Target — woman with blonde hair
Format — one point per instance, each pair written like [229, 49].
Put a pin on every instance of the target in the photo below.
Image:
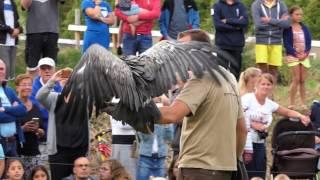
[248, 80]
[258, 110]
[113, 170]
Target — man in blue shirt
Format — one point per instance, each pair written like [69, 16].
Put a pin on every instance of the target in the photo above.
[11, 109]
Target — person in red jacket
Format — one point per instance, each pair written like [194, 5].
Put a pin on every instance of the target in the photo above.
[141, 40]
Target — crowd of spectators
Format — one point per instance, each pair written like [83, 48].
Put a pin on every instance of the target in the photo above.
[49, 145]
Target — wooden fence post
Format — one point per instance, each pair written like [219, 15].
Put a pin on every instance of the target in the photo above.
[77, 34]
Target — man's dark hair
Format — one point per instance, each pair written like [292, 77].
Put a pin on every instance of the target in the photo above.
[196, 35]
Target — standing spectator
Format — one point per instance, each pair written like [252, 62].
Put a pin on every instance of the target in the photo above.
[9, 32]
[247, 84]
[41, 30]
[113, 170]
[39, 173]
[270, 18]
[258, 110]
[68, 136]
[46, 68]
[98, 16]
[153, 152]
[123, 137]
[81, 170]
[142, 40]
[204, 153]
[297, 41]
[178, 16]
[31, 124]
[11, 109]
[14, 169]
[248, 79]
[230, 19]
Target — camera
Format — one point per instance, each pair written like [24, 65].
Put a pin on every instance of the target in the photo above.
[262, 134]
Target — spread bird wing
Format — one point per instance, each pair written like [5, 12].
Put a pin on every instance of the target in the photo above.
[135, 80]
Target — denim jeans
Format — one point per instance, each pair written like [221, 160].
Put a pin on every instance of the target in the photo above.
[138, 43]
[257, 167]
[150, 166]
[9, 148]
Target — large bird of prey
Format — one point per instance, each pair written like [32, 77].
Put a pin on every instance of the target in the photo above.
[101, 76]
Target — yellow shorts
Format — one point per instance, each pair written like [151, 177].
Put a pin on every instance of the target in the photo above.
[269, 54]
[306, 63]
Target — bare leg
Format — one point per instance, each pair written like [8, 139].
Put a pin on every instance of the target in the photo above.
[303, 76]
[274, 71]
[263, 67]
[294, 84]
[132, 29]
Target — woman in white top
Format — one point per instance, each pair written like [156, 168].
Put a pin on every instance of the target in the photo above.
[247, 83]
[258, 109]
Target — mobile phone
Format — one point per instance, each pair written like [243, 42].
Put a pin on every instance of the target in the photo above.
[35, 120]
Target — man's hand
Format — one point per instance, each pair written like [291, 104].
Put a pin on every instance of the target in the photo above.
[224, 20]
[265, 20]
[15, 33]
[133, 18]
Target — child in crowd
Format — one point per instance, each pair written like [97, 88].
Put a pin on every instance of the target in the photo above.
[297, 42]
[281, 177]
[130, 8]
[113, 170]
[14, 169]
[248, 79]
[39, 173]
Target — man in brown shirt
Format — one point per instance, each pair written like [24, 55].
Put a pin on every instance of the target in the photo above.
[214, 132]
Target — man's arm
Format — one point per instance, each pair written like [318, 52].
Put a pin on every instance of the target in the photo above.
[6, 118]
[241, 136]
[241, 22]
[174, 113]
[255, 8]
[26, 4]
[217, 21]
[153, 14]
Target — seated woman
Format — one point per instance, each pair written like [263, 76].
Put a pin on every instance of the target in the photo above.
[258, 109]
[31, 124]
[113, 170]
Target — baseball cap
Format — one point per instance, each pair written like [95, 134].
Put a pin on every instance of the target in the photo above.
[46, 61]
